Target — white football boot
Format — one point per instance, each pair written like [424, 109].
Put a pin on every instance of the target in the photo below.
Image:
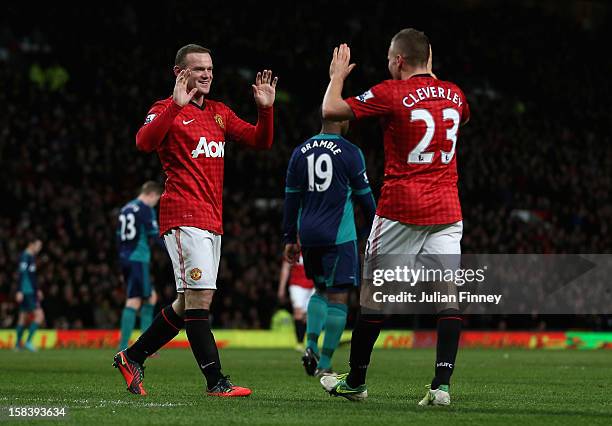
[436, 397]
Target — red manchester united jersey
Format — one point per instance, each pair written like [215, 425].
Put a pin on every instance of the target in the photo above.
[190, 142]
[420, 117]
[298, 275]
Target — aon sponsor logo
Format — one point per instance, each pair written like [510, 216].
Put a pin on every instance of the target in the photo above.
[210, 149]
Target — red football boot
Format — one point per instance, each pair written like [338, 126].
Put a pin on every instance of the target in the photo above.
[225, 388]
[132, 372]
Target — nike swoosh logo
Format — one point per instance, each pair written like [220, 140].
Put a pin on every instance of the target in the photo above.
[185, 122]
[204, 366]
[340, 390]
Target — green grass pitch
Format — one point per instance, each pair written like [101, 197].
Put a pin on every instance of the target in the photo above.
[489, 387]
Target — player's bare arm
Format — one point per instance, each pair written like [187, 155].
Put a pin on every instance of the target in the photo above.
[181, 96]
[334, 107]
[282, 281]
[264, 89]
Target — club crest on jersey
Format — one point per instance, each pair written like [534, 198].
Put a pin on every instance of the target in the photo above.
[365, 96]
[150, 118]
[219, 121]
[210, 149]
[195, 274]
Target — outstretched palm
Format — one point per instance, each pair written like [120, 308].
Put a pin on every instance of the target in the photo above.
[264, 89]
[180, 95]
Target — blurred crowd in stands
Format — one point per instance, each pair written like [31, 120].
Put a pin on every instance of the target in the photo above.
[535, 161]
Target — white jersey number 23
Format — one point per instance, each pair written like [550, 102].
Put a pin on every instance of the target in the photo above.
[418, 154]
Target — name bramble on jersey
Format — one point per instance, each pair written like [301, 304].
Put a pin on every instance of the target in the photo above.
[322, 144]
[211, 149]
[421, 94]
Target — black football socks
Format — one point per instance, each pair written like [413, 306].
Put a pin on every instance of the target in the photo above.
[203, 344]
[164, 327]
[300, 330]
[449, 332]
[362, 342]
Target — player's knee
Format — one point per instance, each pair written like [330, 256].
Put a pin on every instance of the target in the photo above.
[152, 300]
[298, 314]
[179, 305]
[321, 293]
[338, 297]
[449, 312]
[370, 317]
[133, 302]
[198, 299]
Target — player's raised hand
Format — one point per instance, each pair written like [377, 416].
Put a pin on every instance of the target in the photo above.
[264, 89]
[180, 95]
[341, 66]
[292, 252]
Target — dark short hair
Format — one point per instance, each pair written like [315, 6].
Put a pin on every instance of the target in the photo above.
[413, 45]
[151, 186]
[182, 53]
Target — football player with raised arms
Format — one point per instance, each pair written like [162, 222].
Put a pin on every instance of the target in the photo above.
[418, 211]
[189, 132]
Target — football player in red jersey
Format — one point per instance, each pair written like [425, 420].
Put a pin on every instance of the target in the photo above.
[189, 133]
[300, 290]
[418, 210]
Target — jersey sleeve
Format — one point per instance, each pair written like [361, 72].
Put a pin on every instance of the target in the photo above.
[24, 265]
[465, 110]
[358, 176]
[25, 275]
[259, 136]
[293, 194]
[465, 113]
[293, 182]
[150, 223]
[375, 102]
[156, 125]
[362, 193]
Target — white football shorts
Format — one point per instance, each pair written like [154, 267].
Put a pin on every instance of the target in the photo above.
[195, 255]
[390, 238]
[427, 247]
[300, 296]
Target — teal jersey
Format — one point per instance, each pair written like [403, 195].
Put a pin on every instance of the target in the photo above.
[136, 225]
[27, 273]
[324, 174]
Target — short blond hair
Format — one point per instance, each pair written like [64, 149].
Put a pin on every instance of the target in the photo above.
[413, 45]
[151, 187]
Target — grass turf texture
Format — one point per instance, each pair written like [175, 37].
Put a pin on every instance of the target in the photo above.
[489, 386]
